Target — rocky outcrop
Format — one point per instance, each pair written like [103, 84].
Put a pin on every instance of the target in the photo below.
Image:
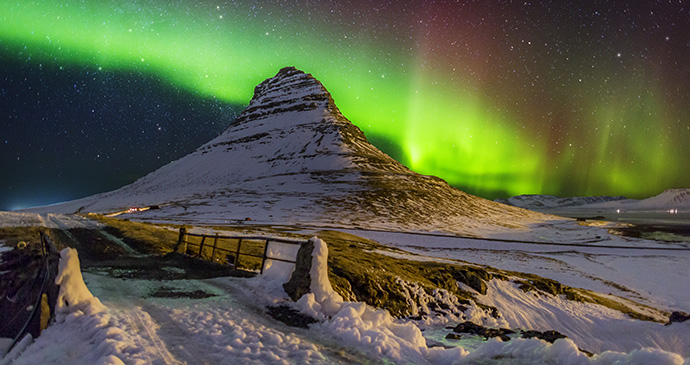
[486, 332]
[677, 317]
[502, 333]
[300, 281]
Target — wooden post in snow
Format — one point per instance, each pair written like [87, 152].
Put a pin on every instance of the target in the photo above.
[180, 240]
[237, 255]
[213, 252]
[263, 259]
[201, 246]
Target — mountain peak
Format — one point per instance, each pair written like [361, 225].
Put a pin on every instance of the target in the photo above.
[292, 157]
[290, 90]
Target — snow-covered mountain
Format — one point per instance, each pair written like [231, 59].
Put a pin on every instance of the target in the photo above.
[669, 199]
[537, 202]
[292, 157]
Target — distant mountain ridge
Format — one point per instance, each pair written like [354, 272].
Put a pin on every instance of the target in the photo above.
[536, 201]
[668, 199]
[292, 157]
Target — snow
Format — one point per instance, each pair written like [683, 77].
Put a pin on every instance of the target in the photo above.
[279, 271]
[593, 327]
[531, 351]
[545, 202]
[303, 172]
[355, 323]
[74, 295]
[670, 198]
[661, 284]
[309, 165]
[83, 333]
[377, 333]
[133, 327]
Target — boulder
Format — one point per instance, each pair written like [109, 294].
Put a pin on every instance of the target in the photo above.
[475, 329]
[677, 317]
[300, 281]
[548, 336]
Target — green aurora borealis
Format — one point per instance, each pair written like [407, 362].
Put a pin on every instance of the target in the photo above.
[498, 100]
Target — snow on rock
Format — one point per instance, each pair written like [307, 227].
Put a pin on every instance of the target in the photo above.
[84, 331]
[449, 307]
[593, 327]
[381, 336]
[354, 323]
[74, 295]
[330, 301]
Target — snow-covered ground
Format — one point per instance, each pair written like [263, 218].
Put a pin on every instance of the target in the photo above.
[656, 277]
[128, 325]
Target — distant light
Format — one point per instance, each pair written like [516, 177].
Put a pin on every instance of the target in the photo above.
[618, 211]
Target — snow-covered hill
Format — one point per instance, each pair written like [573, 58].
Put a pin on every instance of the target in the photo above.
[537, 202]
[292, 157]
[669, 199]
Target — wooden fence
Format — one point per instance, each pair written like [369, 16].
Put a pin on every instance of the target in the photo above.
[241, 252]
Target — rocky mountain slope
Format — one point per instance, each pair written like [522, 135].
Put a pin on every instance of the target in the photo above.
[291, 157]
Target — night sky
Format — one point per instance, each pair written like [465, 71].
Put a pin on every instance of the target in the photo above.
[499, 98]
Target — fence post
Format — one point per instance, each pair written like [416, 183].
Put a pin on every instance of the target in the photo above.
[213, 252]
[201, 246]
[237, 255]
[263, 259]
[180, 240]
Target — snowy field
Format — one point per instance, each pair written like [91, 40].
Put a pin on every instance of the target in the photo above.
[114, 321]
[656, 277]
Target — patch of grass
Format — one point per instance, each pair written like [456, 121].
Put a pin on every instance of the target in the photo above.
[143, 237]
[358, 273]
[13, 235]
[226, 250]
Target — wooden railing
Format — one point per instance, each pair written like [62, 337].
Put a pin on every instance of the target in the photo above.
[253, 249]
[31, 306]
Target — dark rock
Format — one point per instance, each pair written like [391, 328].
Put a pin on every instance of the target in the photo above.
[290, 316]
[473, 278]
[300, 281]
[475, 329]
[677, 317]
[468, 327]
[453, 336]
[548, 336]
